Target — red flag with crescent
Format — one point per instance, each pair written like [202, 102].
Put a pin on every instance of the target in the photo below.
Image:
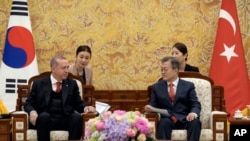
[228, 64]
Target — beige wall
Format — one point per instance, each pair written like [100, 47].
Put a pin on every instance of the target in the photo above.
[127, 37]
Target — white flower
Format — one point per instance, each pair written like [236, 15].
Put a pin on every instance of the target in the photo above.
[102, 137]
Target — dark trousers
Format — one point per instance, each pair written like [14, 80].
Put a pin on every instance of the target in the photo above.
[45, 123]
[165, 127]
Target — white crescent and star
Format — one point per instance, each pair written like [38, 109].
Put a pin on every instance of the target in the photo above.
[229, 50]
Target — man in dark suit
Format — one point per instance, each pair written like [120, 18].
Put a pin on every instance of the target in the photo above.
[53, 107]
[179, 98]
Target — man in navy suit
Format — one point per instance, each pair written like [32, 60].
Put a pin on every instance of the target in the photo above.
[183, 109]
[53, 107]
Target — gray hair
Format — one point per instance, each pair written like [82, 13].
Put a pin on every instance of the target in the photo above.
[54, 62]
[174, 62]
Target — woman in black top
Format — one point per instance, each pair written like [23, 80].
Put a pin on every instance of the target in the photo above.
[180, 52]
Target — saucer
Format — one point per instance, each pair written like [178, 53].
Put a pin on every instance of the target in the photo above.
[238, 117]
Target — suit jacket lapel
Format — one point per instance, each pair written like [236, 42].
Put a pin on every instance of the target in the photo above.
[166, 92]
[179, 89]
[65, 88]
[47, 87]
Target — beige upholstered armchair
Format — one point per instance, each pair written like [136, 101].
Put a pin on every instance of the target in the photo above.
[213, 115]
[20, 122]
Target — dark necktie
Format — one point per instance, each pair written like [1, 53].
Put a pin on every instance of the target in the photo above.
[58, 87]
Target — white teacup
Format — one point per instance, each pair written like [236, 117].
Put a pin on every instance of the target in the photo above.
[238, 114]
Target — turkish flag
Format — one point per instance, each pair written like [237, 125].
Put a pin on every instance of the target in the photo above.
[228, 64]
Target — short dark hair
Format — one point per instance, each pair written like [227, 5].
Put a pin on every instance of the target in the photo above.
[83, 48]
[182, 48]
[174, 62]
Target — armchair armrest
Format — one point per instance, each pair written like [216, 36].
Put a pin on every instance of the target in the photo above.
[153, 117]
[218, 123]
[19, 125]
[85, 118]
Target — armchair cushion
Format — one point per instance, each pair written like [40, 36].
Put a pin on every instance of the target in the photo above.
[206, 134]
[54, 135]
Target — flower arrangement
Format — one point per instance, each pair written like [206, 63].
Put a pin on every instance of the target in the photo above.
[119, 126]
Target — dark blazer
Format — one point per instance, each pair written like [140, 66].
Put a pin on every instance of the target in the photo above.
[39, 96]
[191, 68]
[185, 101]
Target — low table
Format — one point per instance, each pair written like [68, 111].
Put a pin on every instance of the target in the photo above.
[239, 129]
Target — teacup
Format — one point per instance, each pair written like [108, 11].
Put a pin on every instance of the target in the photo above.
[238, 114]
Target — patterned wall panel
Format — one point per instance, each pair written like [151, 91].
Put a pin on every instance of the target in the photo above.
[128, 37]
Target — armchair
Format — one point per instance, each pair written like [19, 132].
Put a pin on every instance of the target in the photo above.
[213, 116]
[20, 121]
